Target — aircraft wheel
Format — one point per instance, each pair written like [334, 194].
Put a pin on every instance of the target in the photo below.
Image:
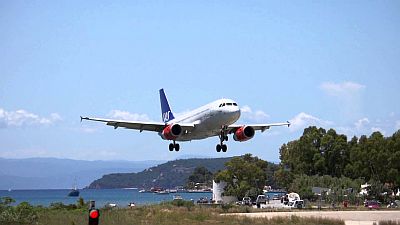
[224, 148]
[171, 147]
[226, 138]
[177, 147]
[218, 148]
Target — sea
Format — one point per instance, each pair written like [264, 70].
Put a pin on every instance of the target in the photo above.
[102, 197]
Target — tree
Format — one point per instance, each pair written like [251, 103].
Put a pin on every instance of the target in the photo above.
[244, 175]
[200, 175]
[318, 152]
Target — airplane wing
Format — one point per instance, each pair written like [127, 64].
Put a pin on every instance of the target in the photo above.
[262, 127]
[138, 125]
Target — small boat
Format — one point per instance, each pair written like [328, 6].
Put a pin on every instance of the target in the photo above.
[177, 197]
[74, 193]
[172, 190]
[162, 192]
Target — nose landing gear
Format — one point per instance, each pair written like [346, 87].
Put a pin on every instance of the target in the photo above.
[222, 137]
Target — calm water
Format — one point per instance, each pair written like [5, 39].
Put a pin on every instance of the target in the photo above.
[102, 196]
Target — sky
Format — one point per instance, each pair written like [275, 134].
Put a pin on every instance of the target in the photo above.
[331, 64]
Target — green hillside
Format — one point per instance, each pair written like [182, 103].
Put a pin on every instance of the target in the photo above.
[167, 175]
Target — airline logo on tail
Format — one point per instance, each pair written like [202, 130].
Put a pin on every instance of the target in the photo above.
[166, 113]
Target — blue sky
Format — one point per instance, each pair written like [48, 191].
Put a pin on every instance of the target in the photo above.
[333, 64]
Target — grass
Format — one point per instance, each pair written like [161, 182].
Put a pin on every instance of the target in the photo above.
[165, 214]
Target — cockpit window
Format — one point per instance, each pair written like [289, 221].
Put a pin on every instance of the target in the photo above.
[224, 104]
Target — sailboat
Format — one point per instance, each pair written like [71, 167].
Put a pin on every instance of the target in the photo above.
[74, 191]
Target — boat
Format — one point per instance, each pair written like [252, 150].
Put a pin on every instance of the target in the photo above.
[162, 192]
[207, 190]
[74, 192]
[172, 190]
[177, 197]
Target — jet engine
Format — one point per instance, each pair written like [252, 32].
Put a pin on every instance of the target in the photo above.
[171, 132]
[244, 133]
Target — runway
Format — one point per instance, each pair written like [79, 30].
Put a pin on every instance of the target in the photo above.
[350, 217]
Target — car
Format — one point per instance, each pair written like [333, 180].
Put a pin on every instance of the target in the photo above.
[394, 204]
[261, 199]
[202, 201]
[298, 204]
[373, 205]
[246, 201]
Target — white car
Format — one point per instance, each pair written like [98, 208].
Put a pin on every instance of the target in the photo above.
[298, 204]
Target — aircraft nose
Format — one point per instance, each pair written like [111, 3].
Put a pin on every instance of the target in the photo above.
[237, 112]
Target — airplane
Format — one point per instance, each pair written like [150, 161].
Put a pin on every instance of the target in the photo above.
[214, 119]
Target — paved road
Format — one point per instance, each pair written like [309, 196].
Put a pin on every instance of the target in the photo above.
[350, 217]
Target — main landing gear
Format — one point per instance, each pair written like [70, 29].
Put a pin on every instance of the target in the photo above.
[173, 146]
[222, 137]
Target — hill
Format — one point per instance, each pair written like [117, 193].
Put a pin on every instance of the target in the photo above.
[167, 175]
[53, 173]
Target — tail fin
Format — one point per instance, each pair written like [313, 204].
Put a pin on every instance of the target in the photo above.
[165, 109]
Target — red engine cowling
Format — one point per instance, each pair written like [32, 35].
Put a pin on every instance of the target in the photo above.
[244, 133]
[171, 132]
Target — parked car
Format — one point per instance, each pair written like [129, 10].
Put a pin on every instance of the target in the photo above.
[298, 204]
[202, 200]
[394, 204]
[261, 199]
[246, 201]
[373, 205]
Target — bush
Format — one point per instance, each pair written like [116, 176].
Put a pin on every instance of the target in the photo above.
[23, 213]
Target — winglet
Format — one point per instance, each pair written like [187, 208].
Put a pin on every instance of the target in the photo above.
[288, 123]
[81, 119]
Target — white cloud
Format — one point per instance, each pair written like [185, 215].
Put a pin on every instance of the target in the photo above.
[303, 120]
[342, 89]
[347, 97]
[256, 116]
[361, 123]
[22, 118]
[125, 115]
[365, 126]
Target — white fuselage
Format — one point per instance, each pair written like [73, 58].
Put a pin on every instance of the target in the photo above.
[208, 119]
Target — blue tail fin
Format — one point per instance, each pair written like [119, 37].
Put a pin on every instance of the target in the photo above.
[165, 109]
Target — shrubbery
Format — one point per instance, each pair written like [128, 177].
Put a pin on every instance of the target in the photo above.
[23, 213]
